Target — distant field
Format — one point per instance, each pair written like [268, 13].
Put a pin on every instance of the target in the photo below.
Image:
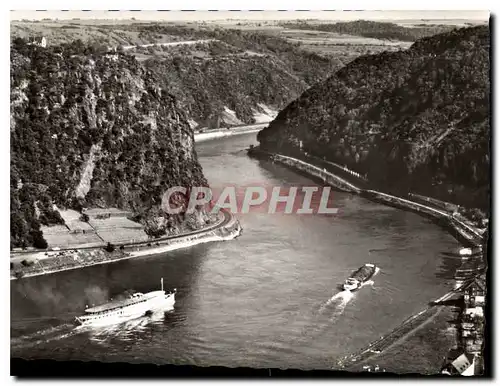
[132, 33]
[127, 33]
[319, 42]
[456, 22]
[337, 45]
[306, 36]
[103, 32]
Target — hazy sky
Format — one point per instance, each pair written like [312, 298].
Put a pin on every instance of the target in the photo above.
[254, 15]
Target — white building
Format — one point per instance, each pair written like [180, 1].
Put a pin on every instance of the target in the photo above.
[39, 41]
[464, 365]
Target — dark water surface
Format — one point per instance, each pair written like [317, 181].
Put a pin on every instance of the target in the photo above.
[266, 299]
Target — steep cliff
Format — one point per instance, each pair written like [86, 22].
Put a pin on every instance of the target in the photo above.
[415, 120]
[92, 130]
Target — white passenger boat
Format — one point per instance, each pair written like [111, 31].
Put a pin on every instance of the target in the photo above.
[137, 305]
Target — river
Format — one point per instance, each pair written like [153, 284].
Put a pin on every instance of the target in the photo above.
[268, 299]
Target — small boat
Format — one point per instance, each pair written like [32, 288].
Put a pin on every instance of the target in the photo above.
[465, 252]
[363, 274]
[471, 252]
[137, 305]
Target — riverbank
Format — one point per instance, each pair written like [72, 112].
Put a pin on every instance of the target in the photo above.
[463, 232]
[235, 130]
[418, 350]
[44, 263]
[404, 331]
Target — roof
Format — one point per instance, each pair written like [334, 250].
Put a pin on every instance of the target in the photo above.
[475, 311]
[463, 362]
[477, 282]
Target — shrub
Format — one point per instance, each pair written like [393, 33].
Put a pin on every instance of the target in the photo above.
[109, 248]
[38, 240]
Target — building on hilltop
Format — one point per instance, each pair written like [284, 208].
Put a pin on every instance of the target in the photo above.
[38, 40]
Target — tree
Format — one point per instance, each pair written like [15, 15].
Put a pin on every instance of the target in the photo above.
[38, 240]
[19, 43]
[27, 263]
[110, 247]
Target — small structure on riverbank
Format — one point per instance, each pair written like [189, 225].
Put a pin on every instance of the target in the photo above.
[472, 318]
[471, 324]
[462, 365]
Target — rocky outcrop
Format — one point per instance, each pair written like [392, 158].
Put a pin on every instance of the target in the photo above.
[93, 130]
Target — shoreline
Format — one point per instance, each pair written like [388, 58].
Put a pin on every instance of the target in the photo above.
[463, 232]
[404, 329]
[227, 229]
[235, 130]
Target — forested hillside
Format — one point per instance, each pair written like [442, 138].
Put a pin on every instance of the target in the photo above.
[237, 70]
[415, 120]
[308, 66]
[92, 129]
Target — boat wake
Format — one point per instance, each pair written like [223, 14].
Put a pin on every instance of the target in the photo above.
[368, 282]
[329, 312]
[326, 315]
[339, 300]
[123, 331]
[342, 298]
[46, 335]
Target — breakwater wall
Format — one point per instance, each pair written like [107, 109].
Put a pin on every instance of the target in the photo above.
[447, 206]
[307, 169]
[227, 228]
[322, 174]
[460, 230]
